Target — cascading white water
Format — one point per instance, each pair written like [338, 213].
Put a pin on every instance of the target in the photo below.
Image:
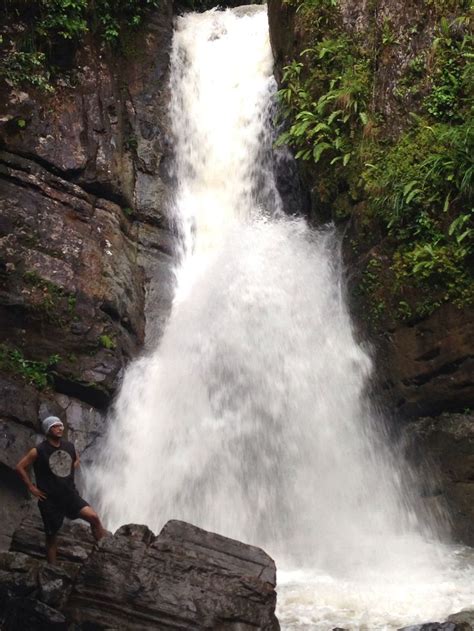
[250, 417]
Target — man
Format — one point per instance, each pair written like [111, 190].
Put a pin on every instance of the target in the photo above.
[54, 462]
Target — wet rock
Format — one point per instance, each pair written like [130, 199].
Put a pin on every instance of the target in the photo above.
[14, 504]
[32, 614]
[445, 447]
[72, 254]
[437, 626]
[18, 402]
[75, 541]
[185, 578]
[429, 366]
[464, 617]
[281, 20]
[54, 583]
[15, 440]
[85, 424]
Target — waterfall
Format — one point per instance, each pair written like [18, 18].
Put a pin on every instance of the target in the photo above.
[250, 417]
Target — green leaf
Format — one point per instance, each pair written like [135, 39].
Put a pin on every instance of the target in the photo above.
[408, 187]
[412, 195]
[446, 203]
[319, 149]
[462, 236]
[334, 115]
[321, 127]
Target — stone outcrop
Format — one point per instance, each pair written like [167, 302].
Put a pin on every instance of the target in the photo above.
[85, 244]
[185, 578]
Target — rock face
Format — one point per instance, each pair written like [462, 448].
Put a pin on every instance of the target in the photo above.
[186, 578]
[445, 445]
[85, 245]
[429, 365]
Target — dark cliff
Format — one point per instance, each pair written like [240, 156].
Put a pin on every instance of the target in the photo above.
[84, 242]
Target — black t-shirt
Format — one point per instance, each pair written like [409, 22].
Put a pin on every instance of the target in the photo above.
[54, 468]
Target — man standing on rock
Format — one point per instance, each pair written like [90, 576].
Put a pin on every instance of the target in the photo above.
[54, 462]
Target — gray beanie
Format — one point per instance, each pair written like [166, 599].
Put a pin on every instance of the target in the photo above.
[48, 423]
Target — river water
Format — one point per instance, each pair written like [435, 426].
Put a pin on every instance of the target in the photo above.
[250, 418]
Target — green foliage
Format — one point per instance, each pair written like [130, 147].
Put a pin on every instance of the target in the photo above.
[72, 19]
[37, 373]
[416, 186]
[370, 282]
[327, 106]
[20, 67]
[311, 6]
[451, 73]
[107, 342]
[388, 36]
[63, 18]
[422, 190]
[29, 59]
[113, 17]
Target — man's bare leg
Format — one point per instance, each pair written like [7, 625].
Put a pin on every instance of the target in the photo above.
[51, 548]
[90, 516]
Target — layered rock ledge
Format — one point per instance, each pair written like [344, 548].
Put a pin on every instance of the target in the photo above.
[184, 578]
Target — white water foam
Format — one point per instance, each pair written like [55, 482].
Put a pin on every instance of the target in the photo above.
[250, 418]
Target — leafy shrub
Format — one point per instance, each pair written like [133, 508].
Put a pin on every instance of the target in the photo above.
[45, 24]
[416, 186]
[37, 373]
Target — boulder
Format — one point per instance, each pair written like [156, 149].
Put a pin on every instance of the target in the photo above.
[184, 578]
[466, 617]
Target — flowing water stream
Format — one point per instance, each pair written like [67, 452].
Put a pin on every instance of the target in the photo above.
[250, 417]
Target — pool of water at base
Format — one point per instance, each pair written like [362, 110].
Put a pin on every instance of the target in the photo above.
[314, 600]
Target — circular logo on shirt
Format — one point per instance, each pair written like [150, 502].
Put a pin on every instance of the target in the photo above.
[60, 463]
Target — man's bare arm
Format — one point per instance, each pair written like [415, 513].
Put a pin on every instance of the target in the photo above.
[22, 470]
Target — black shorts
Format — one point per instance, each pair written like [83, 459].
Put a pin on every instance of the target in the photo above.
[53, 511]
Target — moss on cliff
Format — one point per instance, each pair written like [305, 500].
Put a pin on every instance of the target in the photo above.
[380, 111]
